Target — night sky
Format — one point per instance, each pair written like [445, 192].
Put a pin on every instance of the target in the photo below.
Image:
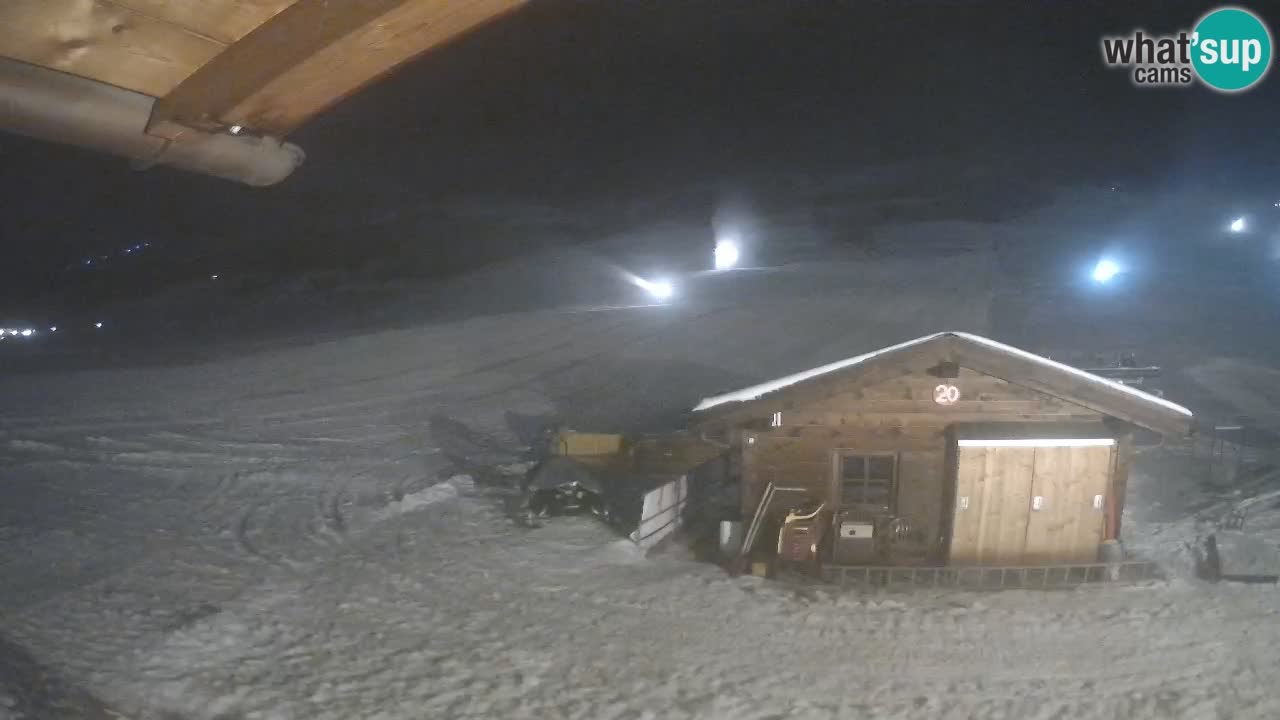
[579, 105]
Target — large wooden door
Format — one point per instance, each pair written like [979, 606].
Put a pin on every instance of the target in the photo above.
[1071, 483]
[993, 492]
[1022, 504]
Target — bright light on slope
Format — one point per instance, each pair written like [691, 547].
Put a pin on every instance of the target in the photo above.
[1105, 270]
[1237, 225]
[726, 254]
[98, 325]
[27, 332]
[660, 289]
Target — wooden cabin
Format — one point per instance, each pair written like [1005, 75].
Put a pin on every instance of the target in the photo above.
[947, 449]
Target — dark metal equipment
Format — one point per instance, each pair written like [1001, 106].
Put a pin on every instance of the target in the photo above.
[1124, 369]
[561, 486]
[864, 538]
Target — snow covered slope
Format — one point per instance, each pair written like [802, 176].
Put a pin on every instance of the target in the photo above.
[282, 535]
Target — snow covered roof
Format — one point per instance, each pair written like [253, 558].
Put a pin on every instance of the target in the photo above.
[755, 392]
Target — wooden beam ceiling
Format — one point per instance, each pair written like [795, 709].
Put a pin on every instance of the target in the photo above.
[225, 21]
[267, 65]
[308, 57]
[104, 41]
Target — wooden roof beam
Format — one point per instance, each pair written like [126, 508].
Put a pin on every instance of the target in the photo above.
[103, 41]
[1080, 391]
[880, 368]
[308, 57]
[977, 354]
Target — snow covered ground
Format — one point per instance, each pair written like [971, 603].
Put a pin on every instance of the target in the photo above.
[295, 532]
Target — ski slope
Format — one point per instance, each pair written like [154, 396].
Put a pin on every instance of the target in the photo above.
[291, 534]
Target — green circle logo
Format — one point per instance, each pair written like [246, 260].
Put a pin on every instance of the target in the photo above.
[1231, 49]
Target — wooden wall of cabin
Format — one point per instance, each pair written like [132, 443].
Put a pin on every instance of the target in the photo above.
[806, 459]
[896, 415]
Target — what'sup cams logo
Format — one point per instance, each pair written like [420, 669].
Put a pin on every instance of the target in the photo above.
[1229, 50]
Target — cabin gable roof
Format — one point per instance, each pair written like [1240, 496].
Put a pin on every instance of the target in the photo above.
[975, 352]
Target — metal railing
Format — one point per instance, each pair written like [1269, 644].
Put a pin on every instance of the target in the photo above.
[1039, 576]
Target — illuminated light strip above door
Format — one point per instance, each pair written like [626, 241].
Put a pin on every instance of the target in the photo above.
[1039, 442]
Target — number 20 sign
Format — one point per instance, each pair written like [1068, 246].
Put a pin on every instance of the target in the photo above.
[946, 394]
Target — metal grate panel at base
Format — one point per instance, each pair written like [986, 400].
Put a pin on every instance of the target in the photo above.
[1040, 576]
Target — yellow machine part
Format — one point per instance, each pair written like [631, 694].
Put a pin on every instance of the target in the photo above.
[578, 445]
